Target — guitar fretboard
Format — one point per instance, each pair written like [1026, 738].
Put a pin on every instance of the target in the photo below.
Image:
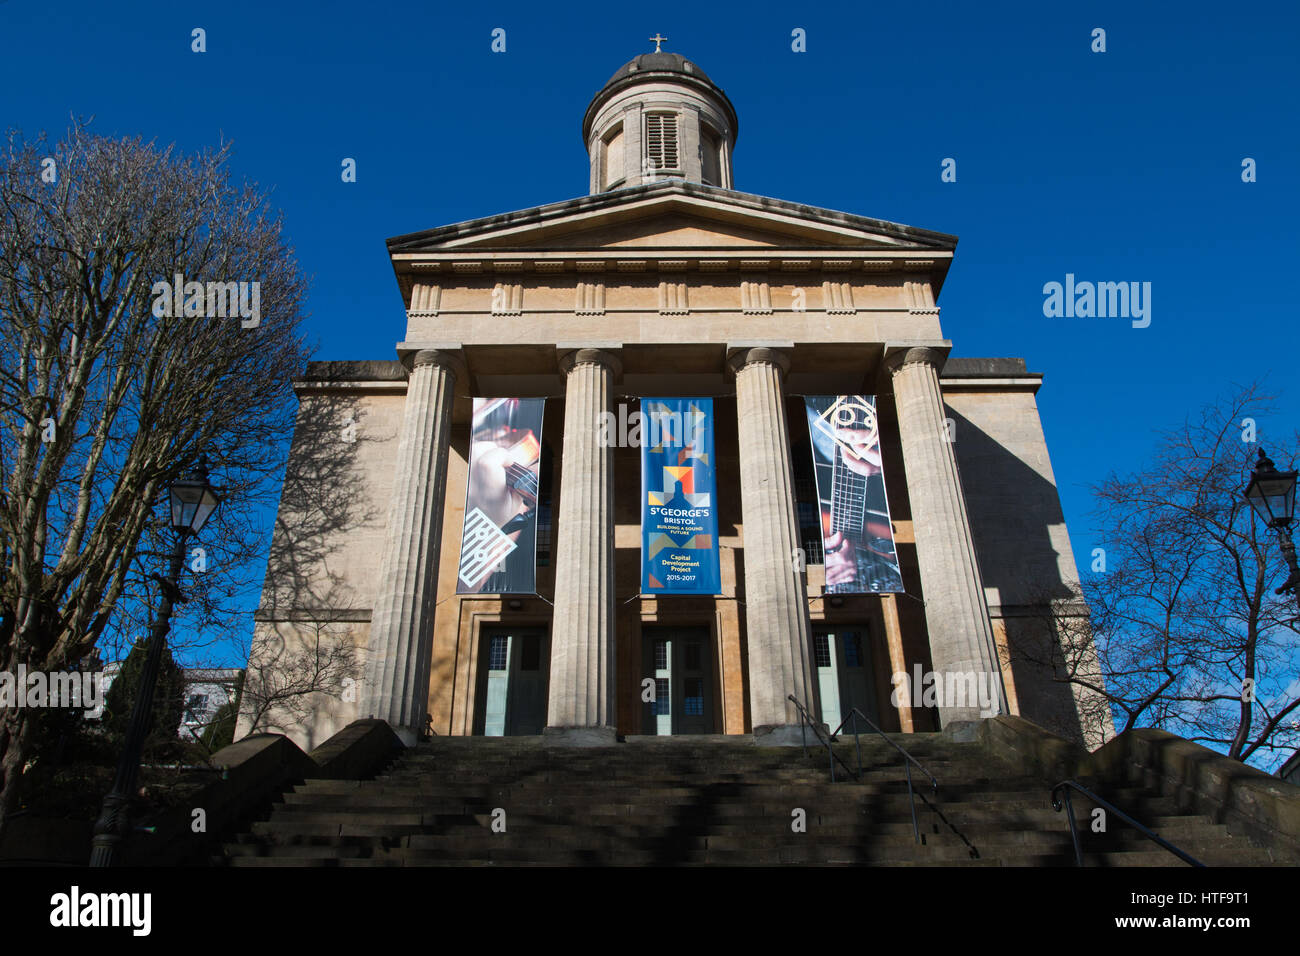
[848, 498]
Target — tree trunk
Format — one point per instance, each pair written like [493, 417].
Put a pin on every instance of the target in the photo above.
[17, 731]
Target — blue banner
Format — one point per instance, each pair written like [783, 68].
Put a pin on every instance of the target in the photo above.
[679, 493]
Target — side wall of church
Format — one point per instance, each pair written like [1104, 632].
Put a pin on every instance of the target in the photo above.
[312, 626]
[286, 660]
[1026, 560]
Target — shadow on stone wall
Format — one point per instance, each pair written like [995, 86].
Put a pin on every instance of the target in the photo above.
[307, 591]
[1012, 509]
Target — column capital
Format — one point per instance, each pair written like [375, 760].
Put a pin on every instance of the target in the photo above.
[453, 362]
[449, 356]
[606, 357]
[742, 356]
[898, 356]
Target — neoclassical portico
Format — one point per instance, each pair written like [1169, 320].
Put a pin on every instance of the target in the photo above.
[666, 281]
[582, 699]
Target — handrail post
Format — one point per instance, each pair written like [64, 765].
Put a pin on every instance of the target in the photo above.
[911, 800]
[1074, 831]
[857, 744]
[806, 722]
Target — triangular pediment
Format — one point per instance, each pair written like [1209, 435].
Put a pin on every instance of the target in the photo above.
[662, 228]
[673, 215]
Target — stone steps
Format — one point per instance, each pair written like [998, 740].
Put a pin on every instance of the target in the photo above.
[712, 801]
[1189, 837]
[740, 803]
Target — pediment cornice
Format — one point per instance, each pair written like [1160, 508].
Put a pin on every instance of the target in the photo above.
[669, 261]
[654, 227]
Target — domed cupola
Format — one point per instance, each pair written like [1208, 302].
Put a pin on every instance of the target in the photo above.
[659, 117]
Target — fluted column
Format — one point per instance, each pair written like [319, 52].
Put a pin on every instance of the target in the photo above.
[956, 615]
[776, 608]
[581, 695]
[401, 625]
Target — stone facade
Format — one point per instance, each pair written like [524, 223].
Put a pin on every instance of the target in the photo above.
[670, 286]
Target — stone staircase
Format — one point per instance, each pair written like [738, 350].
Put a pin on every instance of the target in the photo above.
[707, 800]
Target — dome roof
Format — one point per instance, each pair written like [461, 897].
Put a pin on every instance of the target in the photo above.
[646, 66]
[659, 63]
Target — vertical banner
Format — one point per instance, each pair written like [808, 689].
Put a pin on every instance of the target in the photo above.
[679, 518]
[498, 546]
[857, 535]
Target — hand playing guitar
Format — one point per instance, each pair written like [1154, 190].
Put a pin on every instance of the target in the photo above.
[840, 559]
[859, 450]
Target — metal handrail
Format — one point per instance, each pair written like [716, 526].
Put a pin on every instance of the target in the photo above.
[806, 722]
[908, 760]
[1066, 785]
[854, 714]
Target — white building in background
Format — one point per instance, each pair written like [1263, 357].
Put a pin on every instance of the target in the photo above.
[207, 690]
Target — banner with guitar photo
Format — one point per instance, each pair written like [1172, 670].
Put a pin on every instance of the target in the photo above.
[679, 498]
[498, 546]
[857, 535]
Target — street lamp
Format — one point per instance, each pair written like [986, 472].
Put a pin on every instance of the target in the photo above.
[1271, 494]
[193, 500]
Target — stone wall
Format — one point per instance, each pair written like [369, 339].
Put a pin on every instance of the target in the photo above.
[1028, 566]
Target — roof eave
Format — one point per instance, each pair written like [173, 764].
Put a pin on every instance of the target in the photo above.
[425, 239]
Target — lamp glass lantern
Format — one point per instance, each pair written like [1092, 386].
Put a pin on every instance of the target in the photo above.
[1271, 493]
[193, 500]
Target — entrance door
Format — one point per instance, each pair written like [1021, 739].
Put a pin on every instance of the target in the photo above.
[680, 662]
[844, 678]
[512, 682]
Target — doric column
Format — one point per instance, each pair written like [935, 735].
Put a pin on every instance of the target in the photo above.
[401, 625]
[582, 706]
[776, 608]
[961, 638]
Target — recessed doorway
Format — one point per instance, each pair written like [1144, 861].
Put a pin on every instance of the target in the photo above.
[678, 662]
[514, 664]
[844, 675]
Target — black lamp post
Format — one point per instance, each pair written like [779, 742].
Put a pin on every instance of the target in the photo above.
[1272, 494]
[192, 502]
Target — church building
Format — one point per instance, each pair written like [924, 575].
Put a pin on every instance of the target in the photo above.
[462, 547]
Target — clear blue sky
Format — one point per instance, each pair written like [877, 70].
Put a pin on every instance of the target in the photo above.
[1117, 166]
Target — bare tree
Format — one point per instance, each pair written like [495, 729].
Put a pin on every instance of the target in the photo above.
[1186, 633]
[107, 393]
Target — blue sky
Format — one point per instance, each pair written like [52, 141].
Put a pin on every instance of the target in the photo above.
[1116, 166]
